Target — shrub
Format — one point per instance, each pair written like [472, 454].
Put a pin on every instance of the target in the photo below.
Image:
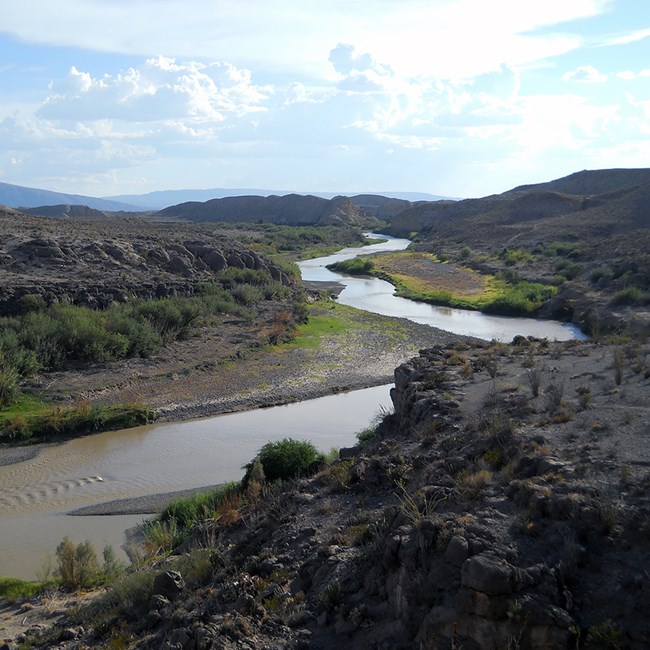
[619, 365]
[365, 435]
[9, 390]
[187, 511]
[534, 378]
[628, 296]
[77, 566]
[356, 266]
[286, 459]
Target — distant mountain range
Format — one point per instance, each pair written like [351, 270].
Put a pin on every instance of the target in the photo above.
[17, 196]
[166, 198]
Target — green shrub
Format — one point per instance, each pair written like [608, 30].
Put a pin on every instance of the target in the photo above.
[605, 636]
[12, 589]
[286, 459]
[77, 565]
[187, 511]
[9, 390]
[628, 296]
[356, 266]
[365, 435]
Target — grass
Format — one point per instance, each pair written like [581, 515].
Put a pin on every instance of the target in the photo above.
[36, 421]
[321, 324]
[423, 277]
[12, 589]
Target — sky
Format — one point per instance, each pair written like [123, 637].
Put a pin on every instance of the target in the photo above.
[458, 98]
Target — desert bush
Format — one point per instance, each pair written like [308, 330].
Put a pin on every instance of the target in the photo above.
[170, 318]
[31, 302]
[248, 294]
[605, 636]
[9, 389]
[628, 296]
[13, 589]
[584, 396]
[534, 379]
[602, 276]
[187, 511]
[619, 365]
[131, 592]
[162, 537]
[470, 484]
[365, 435]
[286, 459]
[14, 356]
[77, 565]
[554, 394]
[568, 270]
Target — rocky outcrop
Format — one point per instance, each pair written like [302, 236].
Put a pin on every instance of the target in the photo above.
[115, 260]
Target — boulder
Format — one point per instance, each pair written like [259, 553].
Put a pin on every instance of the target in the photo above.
[168, 584]
[489, 575]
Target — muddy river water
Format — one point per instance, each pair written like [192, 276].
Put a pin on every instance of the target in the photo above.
[36, 496]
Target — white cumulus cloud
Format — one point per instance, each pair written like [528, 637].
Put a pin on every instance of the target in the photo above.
[585, 74]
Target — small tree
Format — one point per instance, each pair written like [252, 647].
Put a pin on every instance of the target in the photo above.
[77, 565]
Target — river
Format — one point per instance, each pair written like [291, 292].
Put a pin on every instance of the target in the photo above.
[37, 495]
[378, 296]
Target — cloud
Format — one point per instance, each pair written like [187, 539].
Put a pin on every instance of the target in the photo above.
[424, 37]
[157, 90]
[631, 37]
[629, 75]
[585, 74]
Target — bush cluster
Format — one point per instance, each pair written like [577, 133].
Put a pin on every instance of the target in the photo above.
[51, 337]
[520, 298]
[286, 459]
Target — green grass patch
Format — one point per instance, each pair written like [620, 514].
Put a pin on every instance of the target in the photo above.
[12, 589]
[47, 422]
[356, 266]
[422, 277]
[320, 325]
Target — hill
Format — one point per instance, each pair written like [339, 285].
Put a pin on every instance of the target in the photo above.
[614, 199]
[16, 196]
[292, 209]
[165, 198]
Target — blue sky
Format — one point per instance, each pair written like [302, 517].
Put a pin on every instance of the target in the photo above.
[453, 97]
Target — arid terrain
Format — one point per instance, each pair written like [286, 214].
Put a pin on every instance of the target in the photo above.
[503, 504]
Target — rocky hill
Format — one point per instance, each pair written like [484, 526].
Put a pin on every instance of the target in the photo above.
[292, 209]
[593, 245]
[614, 200]
[67, 211]
[95, 263]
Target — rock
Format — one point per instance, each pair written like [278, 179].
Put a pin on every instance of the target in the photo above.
[157, 602]
[182, 636]
[457, 550]
[168, 584]
[489, 575]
